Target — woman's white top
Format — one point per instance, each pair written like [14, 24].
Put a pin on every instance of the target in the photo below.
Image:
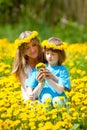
[28, 71]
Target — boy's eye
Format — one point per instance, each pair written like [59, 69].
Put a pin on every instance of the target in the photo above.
[53, 53]
[47, 53]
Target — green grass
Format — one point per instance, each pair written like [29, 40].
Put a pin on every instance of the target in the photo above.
[70, 32]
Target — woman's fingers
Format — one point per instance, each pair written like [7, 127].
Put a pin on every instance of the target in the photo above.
[30, 96]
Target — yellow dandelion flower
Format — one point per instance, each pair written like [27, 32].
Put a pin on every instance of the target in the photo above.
[46, 44]
[83, 108]
[19, 42]
[75, 114]
[40, 65]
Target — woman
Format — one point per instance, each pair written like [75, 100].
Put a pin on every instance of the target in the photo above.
[28, 54]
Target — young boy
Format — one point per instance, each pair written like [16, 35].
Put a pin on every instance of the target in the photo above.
[49, 88]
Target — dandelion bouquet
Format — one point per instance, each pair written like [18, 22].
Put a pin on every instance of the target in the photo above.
[39, 87]
[39, 66]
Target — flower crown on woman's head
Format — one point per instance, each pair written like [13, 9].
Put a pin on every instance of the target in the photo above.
[19, 42]
[46, 44]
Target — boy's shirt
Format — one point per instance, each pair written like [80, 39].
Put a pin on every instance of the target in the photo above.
[63, 79]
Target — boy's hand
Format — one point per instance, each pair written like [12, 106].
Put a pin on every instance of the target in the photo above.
[45, 74]
[40, 75]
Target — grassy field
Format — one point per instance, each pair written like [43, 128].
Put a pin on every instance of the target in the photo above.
[70, 32]
[15, 114]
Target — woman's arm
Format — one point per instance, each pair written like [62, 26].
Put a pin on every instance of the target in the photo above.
[37, 90]
[28, 90]
[22, 78]
[29, 93]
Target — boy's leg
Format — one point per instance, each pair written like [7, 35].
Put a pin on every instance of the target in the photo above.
[45, 97]
[57, 100]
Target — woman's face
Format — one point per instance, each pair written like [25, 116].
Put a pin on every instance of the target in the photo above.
[31, 49]
[52, 58]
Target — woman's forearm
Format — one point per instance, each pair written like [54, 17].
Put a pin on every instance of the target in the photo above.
[29, 93]
[37, 89]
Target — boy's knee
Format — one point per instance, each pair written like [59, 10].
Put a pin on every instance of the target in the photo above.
[45, 97]
[56, 100]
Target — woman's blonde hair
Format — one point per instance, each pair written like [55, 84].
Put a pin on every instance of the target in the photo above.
[21, 60]
[61, 52]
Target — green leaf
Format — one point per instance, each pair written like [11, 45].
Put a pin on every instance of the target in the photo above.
[75, 127]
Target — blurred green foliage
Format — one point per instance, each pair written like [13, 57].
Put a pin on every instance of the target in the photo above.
[71, 32]
[50, 18]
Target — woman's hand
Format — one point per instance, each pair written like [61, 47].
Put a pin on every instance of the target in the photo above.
[29, 93]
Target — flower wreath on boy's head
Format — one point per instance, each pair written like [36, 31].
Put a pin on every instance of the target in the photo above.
[19, 42]
[48, 45]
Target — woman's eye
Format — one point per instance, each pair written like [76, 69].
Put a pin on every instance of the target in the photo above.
[27, 48]
[34, 44]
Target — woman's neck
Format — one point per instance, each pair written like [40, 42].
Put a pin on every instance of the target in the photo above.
[33, 62]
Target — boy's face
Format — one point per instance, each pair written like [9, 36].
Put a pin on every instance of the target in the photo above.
[52, 57]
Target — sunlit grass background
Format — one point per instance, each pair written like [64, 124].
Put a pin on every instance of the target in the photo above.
[15, 114]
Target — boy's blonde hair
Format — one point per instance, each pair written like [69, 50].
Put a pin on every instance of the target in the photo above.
[55, 41]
